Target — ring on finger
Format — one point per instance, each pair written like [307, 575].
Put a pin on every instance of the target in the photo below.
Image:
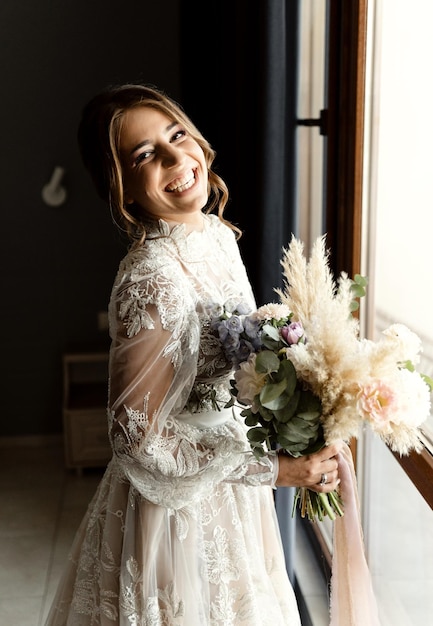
[323, 479]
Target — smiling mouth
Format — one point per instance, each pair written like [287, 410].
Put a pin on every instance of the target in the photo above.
[182, 184]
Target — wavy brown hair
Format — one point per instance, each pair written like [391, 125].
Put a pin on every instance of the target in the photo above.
[99, 136]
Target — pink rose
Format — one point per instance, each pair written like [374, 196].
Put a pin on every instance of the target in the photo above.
[292, 333]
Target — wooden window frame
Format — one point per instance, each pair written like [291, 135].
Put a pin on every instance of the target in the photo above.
[343, 211]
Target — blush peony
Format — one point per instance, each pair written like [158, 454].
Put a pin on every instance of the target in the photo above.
[377, 403]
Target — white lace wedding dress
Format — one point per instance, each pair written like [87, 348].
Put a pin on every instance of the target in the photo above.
[182, 530]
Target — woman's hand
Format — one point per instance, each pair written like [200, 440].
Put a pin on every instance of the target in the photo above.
[318, 471]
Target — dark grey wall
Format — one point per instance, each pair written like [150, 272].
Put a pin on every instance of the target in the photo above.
[57, 264]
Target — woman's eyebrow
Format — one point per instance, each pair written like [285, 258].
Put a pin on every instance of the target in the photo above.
[147, 141]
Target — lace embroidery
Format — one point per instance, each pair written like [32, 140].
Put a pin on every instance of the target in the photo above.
[223, 558]
[182, 519]
[211, 361]
[174, 292]
[223, 609]
[208, 397]
[132, 311]
[161, 610]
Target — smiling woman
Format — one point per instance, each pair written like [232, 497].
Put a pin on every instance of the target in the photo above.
[117, 139]
[182, 530]
[166, 170]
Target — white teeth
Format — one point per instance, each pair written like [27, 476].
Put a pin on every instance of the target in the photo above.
[183, 183]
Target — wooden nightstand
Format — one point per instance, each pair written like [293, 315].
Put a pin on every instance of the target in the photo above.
[85, 380]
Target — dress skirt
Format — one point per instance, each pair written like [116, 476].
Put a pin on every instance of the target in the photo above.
[218, 562]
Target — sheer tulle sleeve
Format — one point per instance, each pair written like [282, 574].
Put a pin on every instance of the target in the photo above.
[156, 332]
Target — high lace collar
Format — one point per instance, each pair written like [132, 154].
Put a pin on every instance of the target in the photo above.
[175, 230]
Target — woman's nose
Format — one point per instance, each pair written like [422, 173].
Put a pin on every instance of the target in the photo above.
[172, 156]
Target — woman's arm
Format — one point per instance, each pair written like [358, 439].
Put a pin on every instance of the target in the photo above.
[153, 366]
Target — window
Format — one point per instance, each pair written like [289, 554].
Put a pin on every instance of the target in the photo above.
[378, 207]
[398, 254]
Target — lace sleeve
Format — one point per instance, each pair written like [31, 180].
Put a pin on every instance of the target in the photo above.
[153, 367]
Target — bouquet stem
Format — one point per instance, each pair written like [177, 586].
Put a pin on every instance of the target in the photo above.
[316, 506]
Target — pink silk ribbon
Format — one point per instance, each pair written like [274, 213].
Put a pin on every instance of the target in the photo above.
[352, 598]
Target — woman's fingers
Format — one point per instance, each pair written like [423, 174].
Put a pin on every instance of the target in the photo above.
[328, 481]
[318, 471]
[327, 478]
[327, 452]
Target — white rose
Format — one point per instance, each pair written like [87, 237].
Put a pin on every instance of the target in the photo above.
[248, 382]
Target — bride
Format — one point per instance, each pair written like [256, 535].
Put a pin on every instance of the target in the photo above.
[182, 530]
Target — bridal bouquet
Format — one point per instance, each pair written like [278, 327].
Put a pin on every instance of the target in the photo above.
[305, 377]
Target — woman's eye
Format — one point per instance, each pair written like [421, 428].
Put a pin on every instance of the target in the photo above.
[143, 156]
[178, 135]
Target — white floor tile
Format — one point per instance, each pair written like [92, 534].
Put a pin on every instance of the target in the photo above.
[25, 562]
[25, 612]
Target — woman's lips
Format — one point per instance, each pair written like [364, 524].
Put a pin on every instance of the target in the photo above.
[182, 183]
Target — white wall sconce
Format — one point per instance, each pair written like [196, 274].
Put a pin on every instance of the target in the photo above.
[54, 194]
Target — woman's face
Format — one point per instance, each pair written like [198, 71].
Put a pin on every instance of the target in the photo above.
[164, 168]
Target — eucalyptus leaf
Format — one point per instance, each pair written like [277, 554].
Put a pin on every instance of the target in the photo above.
[309, 402]
[270, 344]
[287, 372]
[309, 415]
[316, 445]
[270, 331]
[265, 414]
[284, 442]
[298, 447]
[428, 381]
[251, 419]
[305, 427]
[408, 365]
[360, 280]
[292, 431]
[302, 431]
[258, 451]
[289, 410]
[357, 291]
[272, 395]
[267, 362]
[257, 434]
[293, 448]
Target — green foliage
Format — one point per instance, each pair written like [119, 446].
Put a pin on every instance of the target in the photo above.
[270, 337]
[428, 381]
[358, 288]
[267, 362]
[285, 415]
[411, 367]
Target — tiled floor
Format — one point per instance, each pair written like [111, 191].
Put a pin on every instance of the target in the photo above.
[311, 582]
[41, 506]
